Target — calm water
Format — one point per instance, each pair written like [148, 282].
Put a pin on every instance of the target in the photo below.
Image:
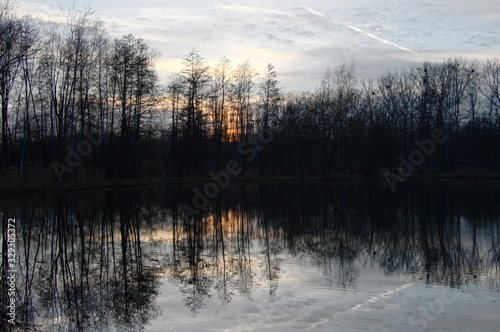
[277, 257]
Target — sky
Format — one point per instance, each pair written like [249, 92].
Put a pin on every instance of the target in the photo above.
[302, 39]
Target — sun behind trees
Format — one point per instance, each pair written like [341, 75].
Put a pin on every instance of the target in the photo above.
[58, 85]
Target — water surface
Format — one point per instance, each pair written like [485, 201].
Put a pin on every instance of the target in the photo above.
[276, 256]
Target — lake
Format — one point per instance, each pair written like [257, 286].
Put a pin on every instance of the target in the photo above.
[274, 256]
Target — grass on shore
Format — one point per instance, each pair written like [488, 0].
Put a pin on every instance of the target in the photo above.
[44, 180]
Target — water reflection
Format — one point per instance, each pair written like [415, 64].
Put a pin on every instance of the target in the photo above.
[95, 260]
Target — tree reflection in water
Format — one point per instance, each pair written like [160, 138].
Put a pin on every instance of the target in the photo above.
[95, 260]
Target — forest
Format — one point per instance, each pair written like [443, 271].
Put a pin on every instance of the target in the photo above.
[78, 105]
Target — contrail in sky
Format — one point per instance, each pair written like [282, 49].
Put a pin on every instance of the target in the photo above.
[366, 33]
[315, 12]
[371, 35]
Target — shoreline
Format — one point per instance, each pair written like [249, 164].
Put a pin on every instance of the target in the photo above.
[27, 188]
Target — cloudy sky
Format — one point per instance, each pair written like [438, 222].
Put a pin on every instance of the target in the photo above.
[301, 38]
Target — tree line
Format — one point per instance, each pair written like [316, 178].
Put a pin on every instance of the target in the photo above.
[62, 84]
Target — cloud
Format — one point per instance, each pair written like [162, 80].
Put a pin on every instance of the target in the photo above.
[42, 11]
[253, 10]
[301, 40]
[483, 41]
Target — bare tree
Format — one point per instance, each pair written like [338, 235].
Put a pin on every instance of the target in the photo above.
[269, 97]
[491, 81]
[219, 113]
[175, 94]
[135, 81]
[336, 97]
[16, 41]
[243, 85]
[195, 81]
[242, 92]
